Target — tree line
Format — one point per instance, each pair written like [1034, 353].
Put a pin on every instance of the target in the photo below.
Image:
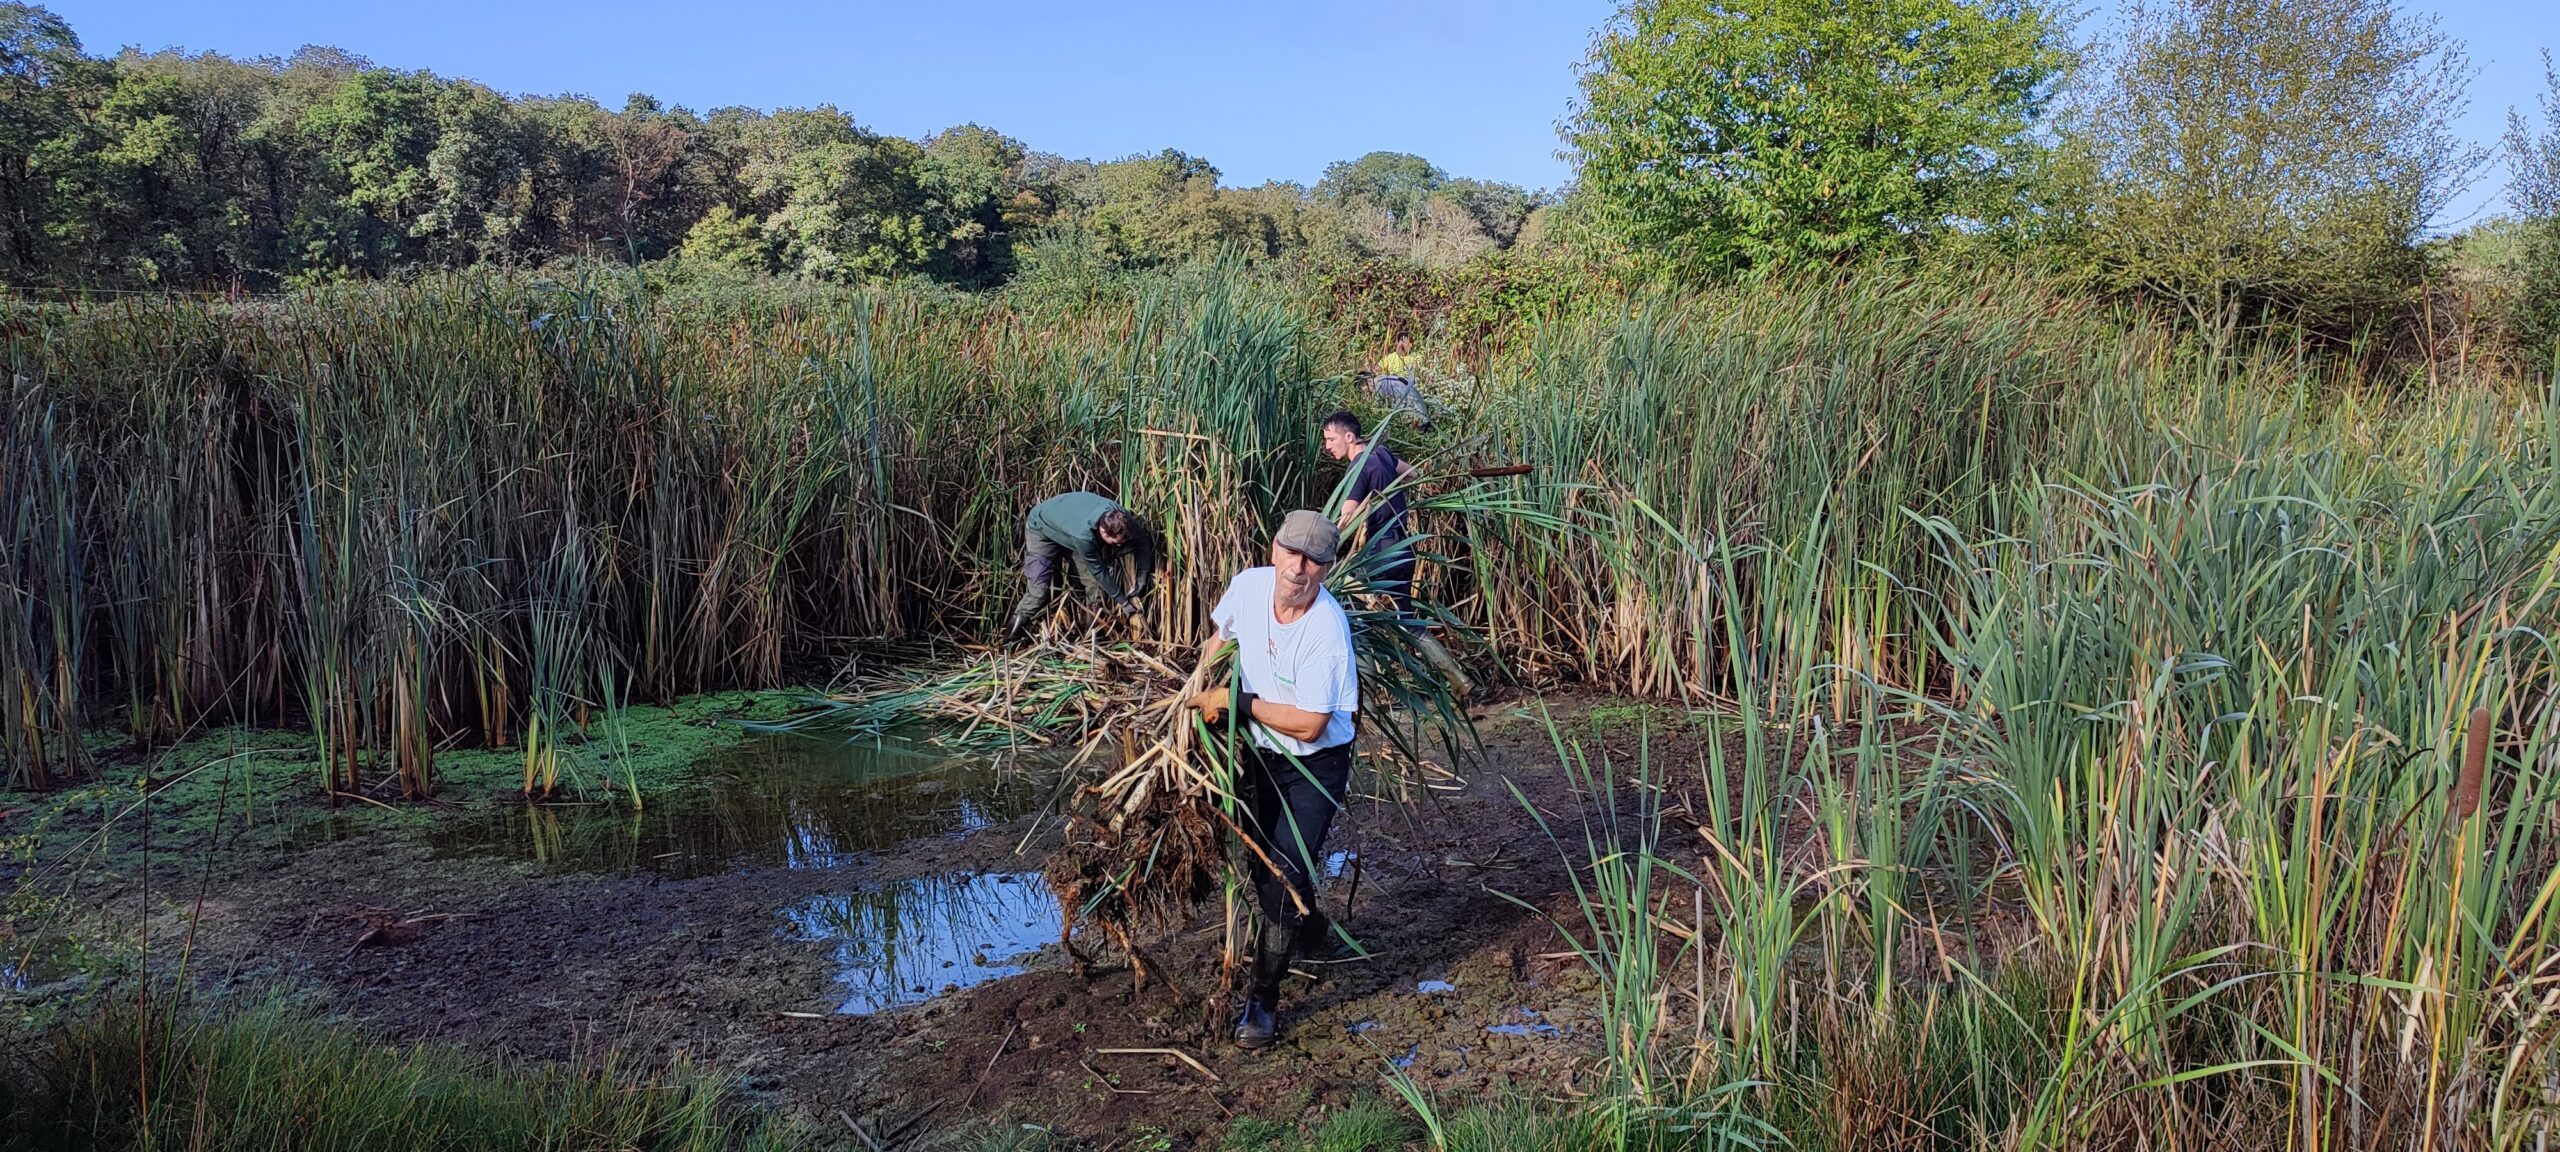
[2244, 164]
[172, 169]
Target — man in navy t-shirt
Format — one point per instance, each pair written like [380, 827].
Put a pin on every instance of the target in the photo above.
[1375, 497]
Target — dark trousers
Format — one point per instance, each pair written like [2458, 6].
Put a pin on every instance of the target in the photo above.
[1288, 808]
[1396, 578]
[1041, 559]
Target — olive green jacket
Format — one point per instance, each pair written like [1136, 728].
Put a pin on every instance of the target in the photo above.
[1067, 520]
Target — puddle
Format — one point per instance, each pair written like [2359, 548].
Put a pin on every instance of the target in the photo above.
[1336, 863]
[1534, 1026]
[1433, 987]
[911, 941]
[38, 970]
[778, 801]
[323, 830]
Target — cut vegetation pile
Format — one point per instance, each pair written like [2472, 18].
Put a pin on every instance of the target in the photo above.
[1153, 826]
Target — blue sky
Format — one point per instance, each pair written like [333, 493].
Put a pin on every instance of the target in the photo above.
[1265, 91]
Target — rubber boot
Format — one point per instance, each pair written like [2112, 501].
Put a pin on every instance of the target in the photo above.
[1259, 1024]
[1271, 954]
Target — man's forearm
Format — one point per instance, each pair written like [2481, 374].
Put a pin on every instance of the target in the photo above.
[1289, 720]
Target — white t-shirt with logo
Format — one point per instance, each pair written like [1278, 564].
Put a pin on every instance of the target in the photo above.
[1307, 664]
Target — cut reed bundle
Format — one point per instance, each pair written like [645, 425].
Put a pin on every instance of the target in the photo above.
[1151, 822]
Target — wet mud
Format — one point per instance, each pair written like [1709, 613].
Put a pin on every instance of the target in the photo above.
[861, 934]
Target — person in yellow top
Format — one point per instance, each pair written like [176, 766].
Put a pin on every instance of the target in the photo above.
[1399, 361]
[1394, 384]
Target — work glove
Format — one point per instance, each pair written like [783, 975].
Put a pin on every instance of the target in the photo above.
[1210, 703]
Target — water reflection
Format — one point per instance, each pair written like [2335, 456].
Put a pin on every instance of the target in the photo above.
[25, 968]
[779, 801]
[913, 940]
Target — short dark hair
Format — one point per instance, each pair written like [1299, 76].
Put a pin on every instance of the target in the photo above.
[1122, 523]
[1344, 419]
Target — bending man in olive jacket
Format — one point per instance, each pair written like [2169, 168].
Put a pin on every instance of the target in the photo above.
[1097, 532]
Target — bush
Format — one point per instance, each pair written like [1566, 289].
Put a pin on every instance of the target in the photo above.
[2534, 192]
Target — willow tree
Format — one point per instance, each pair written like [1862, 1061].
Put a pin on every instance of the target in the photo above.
[2270, 161]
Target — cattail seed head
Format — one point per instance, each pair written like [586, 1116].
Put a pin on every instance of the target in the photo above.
[2475, 758]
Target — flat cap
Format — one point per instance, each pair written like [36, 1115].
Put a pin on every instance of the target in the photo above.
[1310, 535]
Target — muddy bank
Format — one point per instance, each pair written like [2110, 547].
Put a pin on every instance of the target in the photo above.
[865, 938]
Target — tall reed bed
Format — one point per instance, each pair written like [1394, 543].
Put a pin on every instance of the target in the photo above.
[480, 510]
[2230, 817]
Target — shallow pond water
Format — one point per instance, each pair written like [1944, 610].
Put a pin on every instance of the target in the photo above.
[26, 968]
[777, 801]
[910, 941]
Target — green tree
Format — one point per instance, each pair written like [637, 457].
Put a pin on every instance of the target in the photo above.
[1400, 206]
[1149, 210]
[840, 202]
[481, 202]
[2533, 192]
[52, 183]
[153, 200]
[210, 180]
[1497, 209]
[725, 238]
[373, 134]
[201, 170]
[1396, 183]
[1711, 134]
[2270, 160]
[659, 177]
[969, 176]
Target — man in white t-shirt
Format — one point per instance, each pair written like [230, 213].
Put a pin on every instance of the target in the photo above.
[1298, 692]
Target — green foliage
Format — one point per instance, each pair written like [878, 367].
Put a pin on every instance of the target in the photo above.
[1366, 1126]
[1714, 136]
[1478, 309]
[171, 170]
[202, 171]
[1395, 205]
[2534, 193]
[1147, 211]
[51, 177]
[977, 191]
[1393, 182]
[723, 238]
[1496, 209]
[2253, 161]
[839, 201]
